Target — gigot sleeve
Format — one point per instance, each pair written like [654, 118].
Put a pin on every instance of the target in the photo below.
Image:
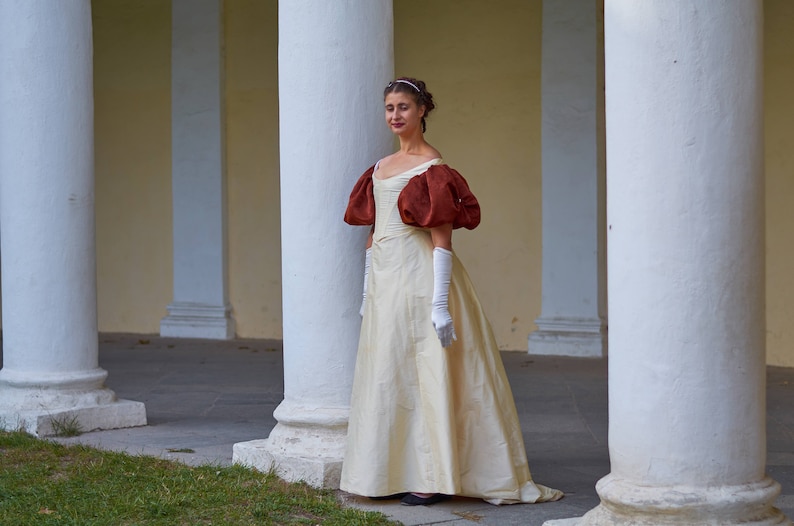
[361, 206]
[439, 196]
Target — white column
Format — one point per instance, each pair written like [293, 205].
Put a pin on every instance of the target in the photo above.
[200, 308]
[335, 59]
[686, 266]
[51, 371]
[573, 309]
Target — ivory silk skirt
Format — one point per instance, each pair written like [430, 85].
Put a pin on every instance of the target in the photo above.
[425, 418]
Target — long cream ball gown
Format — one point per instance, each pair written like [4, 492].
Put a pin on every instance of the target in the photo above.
[424, 418]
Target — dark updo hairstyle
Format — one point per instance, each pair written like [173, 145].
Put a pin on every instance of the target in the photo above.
[415, 88]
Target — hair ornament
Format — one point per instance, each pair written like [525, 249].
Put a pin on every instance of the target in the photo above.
[414, 86]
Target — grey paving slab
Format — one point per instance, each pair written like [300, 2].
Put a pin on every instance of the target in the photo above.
[204, 396]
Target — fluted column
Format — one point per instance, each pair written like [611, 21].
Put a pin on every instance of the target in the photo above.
[51, 372]
[201, 307]
[573, 309]
[335, 59]
[686, 266]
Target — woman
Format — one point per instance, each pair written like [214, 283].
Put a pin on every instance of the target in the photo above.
[432, 414]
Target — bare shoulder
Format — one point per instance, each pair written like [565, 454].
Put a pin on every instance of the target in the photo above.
[434, 154]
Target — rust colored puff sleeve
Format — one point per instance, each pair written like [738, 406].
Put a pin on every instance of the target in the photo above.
[361, 207]
[439, 196]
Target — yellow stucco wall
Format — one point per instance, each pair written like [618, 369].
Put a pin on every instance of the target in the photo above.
[779, 120]
[481, 61]
[132, 43]
[132, 100]
[252, 167]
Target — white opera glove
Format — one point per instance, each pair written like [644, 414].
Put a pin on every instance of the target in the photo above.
[367, 263]
[442, 273]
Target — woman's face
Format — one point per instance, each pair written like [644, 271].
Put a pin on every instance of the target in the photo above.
[403, 116]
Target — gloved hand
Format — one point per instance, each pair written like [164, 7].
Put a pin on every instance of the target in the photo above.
[442, 273]
[367, 263]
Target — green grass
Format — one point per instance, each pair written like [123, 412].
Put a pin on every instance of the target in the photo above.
[66, 427]
[45, 483]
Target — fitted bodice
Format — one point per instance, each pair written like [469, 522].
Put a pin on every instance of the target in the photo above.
[387, 216]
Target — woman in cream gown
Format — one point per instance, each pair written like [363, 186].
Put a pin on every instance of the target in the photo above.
[424, 418]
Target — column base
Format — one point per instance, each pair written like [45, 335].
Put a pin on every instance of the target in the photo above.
[46, 404]
[583, 338]
[307, 444]
[198, 320]
[624, 504]
[45, 422]
[263, 456]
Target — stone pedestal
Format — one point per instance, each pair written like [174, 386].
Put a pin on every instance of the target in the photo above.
[307, 444]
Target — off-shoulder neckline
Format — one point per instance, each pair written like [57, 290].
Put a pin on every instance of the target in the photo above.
[433, 160]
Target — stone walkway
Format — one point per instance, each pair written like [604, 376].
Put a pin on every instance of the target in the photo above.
[207, 395]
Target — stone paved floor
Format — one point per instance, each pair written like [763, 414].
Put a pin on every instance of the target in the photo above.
[207, 395]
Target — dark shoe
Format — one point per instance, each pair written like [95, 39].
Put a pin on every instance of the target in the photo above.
[389, 497]
[414, 500]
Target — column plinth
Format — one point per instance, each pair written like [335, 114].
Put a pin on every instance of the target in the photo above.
[569, 337]
[306, 445]
[624, 502]
[196, 320]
